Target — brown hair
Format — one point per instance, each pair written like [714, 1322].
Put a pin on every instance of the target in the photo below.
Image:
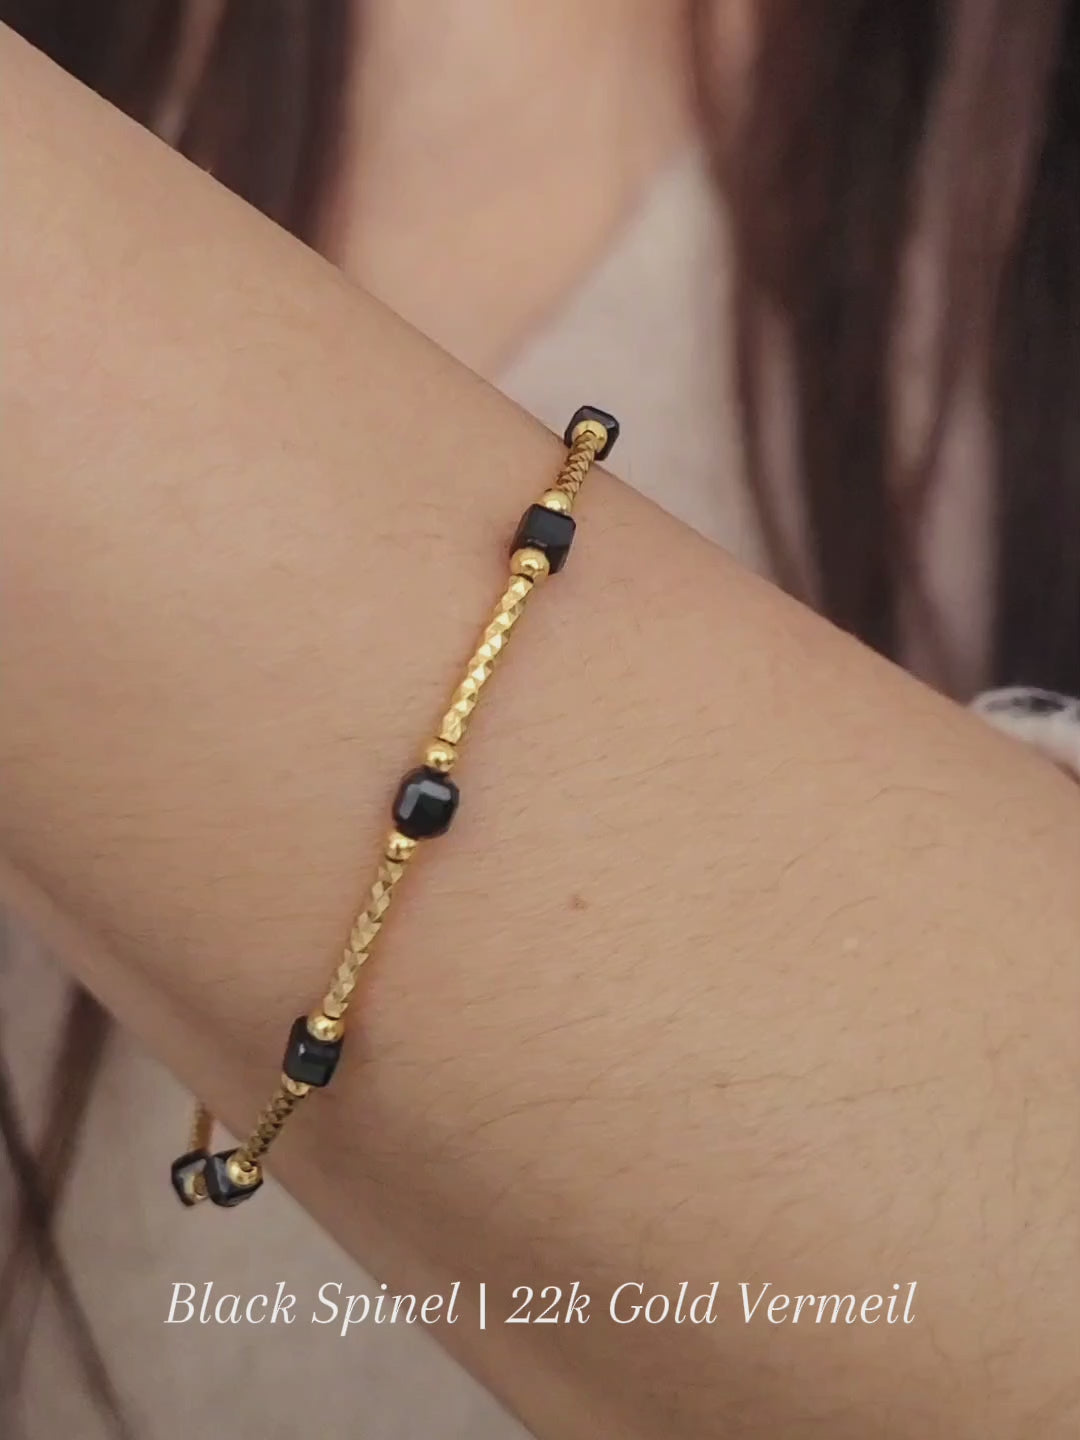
[262, 111]
[863, 120]
[849, 106]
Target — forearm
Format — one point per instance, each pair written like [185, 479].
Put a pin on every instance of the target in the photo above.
[746, 958]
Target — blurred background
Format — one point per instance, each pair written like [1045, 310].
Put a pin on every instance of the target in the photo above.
[822, 257]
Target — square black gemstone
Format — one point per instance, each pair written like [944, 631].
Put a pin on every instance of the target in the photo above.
[221, 1188]
[185, 1171]
[590, 412]
[546, 530]
[425, 803]
[307, 1059]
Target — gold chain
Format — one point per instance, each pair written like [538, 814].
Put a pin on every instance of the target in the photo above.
[232, 1175]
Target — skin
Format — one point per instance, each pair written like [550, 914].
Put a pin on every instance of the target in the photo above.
[472, 122]
[748, 958]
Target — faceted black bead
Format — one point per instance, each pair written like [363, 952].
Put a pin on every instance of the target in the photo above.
[546, 530]
[309, 1060]
[590, 412]
[185, 1171]
[221, 1188]
[425, 803]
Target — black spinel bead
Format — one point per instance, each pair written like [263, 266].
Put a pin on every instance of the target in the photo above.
[548, 530]
[221, 1188]
[307, 1059]
[425, 803]
[590, 412]
[185, 1171]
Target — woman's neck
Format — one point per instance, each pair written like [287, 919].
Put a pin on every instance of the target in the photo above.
[493, 147]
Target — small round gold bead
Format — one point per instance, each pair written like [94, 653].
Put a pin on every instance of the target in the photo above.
[533, 564]
[325, 1027]
[197, 1187]
[295, 1087]
[556, 500]
[399, 847]
[241, 1174]
[439, 755]
[591, 427]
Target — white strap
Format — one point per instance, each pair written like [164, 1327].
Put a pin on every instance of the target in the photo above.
[1042, 718]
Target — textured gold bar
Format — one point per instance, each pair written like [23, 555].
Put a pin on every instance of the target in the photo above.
[587, 445]
[267, 1127]
[508, 612]
[202, 1126]
[362, 936]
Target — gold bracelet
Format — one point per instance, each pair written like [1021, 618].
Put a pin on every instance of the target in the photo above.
[423, 807]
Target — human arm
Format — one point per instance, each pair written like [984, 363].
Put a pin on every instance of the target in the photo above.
[746, 958]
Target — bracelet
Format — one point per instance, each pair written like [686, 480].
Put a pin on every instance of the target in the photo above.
[423, 807]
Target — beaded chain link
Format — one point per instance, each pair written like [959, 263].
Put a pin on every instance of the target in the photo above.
[424, 806]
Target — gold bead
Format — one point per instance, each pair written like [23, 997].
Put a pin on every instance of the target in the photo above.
[399, 847]
[295, 1087]
[439, 755]
[325, 1027]
[556, 500]
[590, 427]
[241, 1174]
[533, 564]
